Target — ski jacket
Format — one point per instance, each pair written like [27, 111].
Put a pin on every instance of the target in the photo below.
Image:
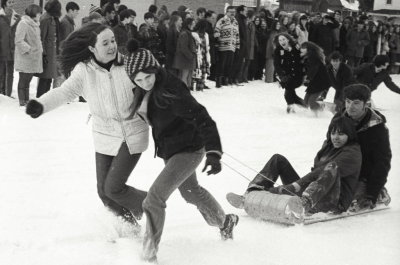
[183, 125]
[348, 160]
[373, 136]
[365, 74]
[110, 99]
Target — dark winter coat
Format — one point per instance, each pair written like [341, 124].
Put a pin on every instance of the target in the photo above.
[242, 22]
[324, 36]
[262, 38]
[121, 37]
[343, 78]
[342, 39]
[365, 74]
[373, 137]
[289, 67]
[67, 25]
[317, 75]
[252, 42]
[49, 33]
[356, 42]
[172, 41]
[149, 39]
[211, 38]
[6, 41]
[184, 125]
[162, 33]
[348, 160]
[186, 54]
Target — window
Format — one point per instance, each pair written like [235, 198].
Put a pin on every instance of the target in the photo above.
[388, 2]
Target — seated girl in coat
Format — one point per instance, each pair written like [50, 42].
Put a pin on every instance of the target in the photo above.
[330, 184]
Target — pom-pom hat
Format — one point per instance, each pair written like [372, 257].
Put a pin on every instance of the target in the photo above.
[138, 59]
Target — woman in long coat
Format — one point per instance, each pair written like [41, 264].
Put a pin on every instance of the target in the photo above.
[186, 54]
[28, 51]
[49, 31]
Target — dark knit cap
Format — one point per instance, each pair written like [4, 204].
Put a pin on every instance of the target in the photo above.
[138, 59]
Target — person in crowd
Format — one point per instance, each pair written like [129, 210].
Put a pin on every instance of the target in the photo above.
[284, 21]
[174, 113]
[262, 35]
[329, 186]
[313, 23]
[373, 74]
[323, 34]
[8, 23]
[301, 30]
[67, 23]
[162, 31]
[203, 54]
[163, 11]
[340, 76]
[201, 13]
[109, 15]
[292, 31]
[149, 39]
[50, 35]
[226, 33]
[371, 49]
[344, 29]
[175, 26]
[132, 27]
[153, 9]
[289, 68]
[373, 136]
[394, 44]
[28, 50]
[269, 53]
[89, 60]
[356, 40]
[186, 53]
[316, 79]
[122, 30]
[121, 8]
[94, 17]
[211, 17]
[336, 31]
[252, 45]
[236, 73]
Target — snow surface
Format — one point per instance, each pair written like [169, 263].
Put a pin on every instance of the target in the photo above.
[51, 214]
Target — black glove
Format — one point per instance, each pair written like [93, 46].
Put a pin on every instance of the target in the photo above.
[214, 161]
[34, 108]
[285, 78]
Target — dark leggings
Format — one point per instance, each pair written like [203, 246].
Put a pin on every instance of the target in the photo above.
[23, 87]
[112, 174]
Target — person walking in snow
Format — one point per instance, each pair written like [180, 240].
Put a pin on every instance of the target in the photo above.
[289, 68]
[329, 186]
[89, 59]
[183, 133]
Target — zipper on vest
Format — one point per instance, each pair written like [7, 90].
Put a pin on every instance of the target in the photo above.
[116, 106]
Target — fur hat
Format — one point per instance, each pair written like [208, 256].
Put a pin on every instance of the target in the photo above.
[138, 59]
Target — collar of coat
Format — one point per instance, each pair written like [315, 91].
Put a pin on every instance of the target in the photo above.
[371, 119]
[28, 20]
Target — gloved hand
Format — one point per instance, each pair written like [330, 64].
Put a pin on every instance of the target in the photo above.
[214, 161]
[34, 108]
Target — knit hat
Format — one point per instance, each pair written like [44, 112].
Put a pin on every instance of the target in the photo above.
[94, 8]
[138, 59]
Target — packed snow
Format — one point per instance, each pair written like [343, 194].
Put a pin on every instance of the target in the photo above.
[51, 214]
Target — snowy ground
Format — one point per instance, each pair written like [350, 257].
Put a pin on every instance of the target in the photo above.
[50, 212]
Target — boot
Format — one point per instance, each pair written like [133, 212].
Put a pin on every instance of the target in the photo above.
[218, 81]
[235, 200]
[231, 220]
[225, 81]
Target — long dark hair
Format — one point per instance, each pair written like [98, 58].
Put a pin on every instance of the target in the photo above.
[344, 125]
[162, 93]
[75, 48]
[53, 8]
[201, 26]
[314, 52]
[292, 42]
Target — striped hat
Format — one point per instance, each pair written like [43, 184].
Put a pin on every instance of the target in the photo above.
[138, 59]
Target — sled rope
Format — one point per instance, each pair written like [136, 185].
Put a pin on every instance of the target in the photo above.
[252, 169]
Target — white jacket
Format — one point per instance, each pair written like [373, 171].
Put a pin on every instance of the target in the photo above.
[110, 98]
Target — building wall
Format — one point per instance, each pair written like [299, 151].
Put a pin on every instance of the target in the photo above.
[382, 4]
[215, 5]
[20, 5]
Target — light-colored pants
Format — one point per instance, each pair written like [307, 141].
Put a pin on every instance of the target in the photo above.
[179, 173]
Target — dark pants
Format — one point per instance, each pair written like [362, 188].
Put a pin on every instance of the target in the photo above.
[23, 87]
[310, 100]
[321, 186]
[43, 87]
[237, 67]
[225, 59]
[6, 77]
[292, 98]
[112, 174]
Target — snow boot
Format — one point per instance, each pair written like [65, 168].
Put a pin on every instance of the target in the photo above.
[129, 218]
[235, 200]
[231, 220]
[383, 197]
